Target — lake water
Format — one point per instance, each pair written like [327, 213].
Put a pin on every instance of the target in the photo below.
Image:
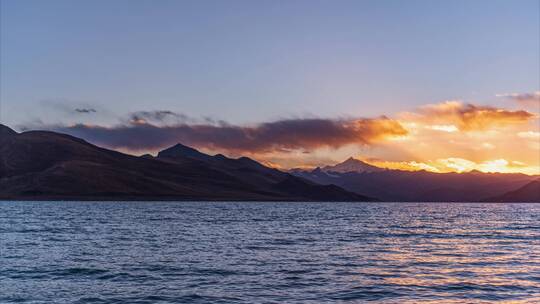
[229, 252]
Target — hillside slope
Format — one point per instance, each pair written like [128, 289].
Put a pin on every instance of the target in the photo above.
[46, 165]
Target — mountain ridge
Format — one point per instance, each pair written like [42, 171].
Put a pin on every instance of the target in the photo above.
[40, 165]
[528, 193]
[421, 186]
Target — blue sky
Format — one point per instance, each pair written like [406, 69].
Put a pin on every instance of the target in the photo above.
[251, 61]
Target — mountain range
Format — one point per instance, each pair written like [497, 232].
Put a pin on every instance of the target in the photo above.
[528, 193]
[42, 165]
[423, 186]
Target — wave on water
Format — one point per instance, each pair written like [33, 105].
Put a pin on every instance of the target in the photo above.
[232, 252]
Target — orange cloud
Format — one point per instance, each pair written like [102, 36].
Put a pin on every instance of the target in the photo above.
[529, 134]
[451, 115]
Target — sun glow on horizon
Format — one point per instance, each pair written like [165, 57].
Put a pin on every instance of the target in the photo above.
[458, 165]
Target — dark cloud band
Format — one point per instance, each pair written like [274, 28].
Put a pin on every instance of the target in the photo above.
[281, 135]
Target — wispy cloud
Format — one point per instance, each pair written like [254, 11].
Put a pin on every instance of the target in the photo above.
[157, 116]
[527, 99]
[85, 110]
[529, 134]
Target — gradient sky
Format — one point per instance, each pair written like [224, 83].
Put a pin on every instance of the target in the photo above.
[250, 62]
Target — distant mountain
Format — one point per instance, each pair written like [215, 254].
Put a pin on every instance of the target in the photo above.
[182, 151]
[46, 165]
[420, 186]
[527, 194]
[352, 165]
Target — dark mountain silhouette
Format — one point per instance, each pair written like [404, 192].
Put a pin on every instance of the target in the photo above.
[182, 151]
[47, 165]
[5, 132]
[253, 173]
[529, 193]
[420, 186]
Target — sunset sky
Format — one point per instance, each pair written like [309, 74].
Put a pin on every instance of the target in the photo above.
[435, 85]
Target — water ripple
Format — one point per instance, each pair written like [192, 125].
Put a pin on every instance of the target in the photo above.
[219, 252]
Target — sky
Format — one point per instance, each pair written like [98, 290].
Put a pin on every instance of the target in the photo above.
[435, 85]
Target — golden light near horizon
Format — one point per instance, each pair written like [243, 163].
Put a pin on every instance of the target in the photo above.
[458, 137]
[451, 136]
[459, 165]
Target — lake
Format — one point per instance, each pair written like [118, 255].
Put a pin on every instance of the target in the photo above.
[268, 252]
